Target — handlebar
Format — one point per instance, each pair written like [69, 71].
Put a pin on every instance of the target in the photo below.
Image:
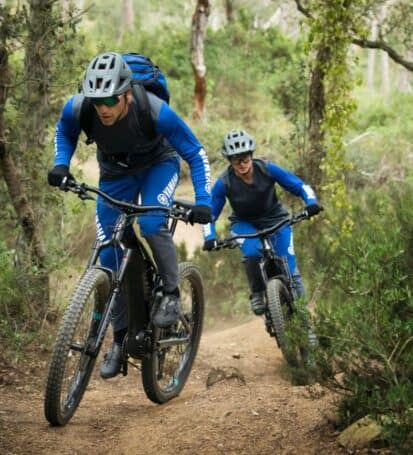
[231, 242]
[180, 210]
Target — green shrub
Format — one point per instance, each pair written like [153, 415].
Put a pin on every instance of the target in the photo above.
[365, 320]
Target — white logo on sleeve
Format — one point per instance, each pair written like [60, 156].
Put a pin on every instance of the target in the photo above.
[207, 169]
[309, 191]
[291, 246]
[207, 230]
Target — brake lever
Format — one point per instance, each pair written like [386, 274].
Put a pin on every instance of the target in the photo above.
[86, 197]
[234, 244]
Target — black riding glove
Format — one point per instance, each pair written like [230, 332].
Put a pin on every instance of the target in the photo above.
[200, 214]
[313, 209]
[57, 174]
[209, 245]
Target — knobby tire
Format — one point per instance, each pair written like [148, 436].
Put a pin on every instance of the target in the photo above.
[165, 371]
[89, 298]
[280, 304]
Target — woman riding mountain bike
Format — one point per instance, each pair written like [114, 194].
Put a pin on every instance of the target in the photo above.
[249, 185]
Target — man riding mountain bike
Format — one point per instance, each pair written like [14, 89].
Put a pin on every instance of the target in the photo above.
[132, 165]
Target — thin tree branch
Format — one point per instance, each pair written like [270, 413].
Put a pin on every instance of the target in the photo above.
[367, 44]
[303, 10]
[382, 45]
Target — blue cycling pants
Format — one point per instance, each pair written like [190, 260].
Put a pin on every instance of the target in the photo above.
[152, 186]
[283, 243]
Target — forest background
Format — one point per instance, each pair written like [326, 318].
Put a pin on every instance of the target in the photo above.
[326, 90]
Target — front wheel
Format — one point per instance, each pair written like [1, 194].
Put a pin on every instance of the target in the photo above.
[166, 370]
[280, 308]
[74, 354]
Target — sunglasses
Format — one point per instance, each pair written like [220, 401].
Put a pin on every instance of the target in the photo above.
[246, 158]
[108, 101]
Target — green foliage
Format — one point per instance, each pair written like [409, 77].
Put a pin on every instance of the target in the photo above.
[364, 320]
[226, 289]
[18, 319]
[331, 33]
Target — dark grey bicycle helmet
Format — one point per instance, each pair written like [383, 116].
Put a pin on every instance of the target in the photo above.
[237, 142]
[107, 75]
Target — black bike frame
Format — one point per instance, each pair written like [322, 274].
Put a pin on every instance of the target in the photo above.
[136, 280]
[272, 266]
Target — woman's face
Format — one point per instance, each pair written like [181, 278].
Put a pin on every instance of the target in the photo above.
[242, 163]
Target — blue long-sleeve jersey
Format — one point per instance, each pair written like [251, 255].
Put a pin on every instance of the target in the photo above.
[256, 202]
[117, 141]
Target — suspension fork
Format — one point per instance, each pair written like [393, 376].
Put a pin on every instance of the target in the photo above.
[116, 284]
[267, 253]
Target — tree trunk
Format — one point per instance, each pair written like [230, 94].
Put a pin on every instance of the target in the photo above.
[12, 178]
[385, 75]
[199, 25]
[404, 84]
[128, 18]
[310, 168]
[37, 66]
[229, 10]
[371, 67]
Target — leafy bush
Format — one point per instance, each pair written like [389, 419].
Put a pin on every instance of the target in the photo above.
[226, 289]
[18, 316]
[365, 321]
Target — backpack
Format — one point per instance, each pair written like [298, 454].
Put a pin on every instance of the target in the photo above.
[147, 74]
[146, 77]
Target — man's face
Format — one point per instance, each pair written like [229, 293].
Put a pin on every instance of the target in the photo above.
[111, 109]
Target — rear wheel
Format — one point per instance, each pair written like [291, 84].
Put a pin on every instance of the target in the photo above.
[165, 372]
[280, 307]
[73, 361]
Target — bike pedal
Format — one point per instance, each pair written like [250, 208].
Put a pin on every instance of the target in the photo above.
[138, 366]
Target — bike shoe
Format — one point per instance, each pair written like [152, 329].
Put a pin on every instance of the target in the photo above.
[112, 362]
[168, 311]
[257, 303]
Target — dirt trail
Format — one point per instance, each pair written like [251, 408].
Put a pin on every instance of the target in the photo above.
[266, 415]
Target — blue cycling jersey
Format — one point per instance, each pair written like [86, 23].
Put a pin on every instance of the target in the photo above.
[256, 203]
[124, 138]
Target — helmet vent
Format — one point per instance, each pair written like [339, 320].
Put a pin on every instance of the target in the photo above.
[107, 75]
[237, 142]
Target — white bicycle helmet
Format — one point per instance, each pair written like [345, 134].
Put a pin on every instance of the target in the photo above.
[237, 142]
[107, 75]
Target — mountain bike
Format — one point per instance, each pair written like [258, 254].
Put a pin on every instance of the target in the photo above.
[166, 355]
[280, 298]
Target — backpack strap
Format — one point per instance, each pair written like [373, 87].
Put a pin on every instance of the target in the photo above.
[144, 111]
[262, 164]
[82, 112]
